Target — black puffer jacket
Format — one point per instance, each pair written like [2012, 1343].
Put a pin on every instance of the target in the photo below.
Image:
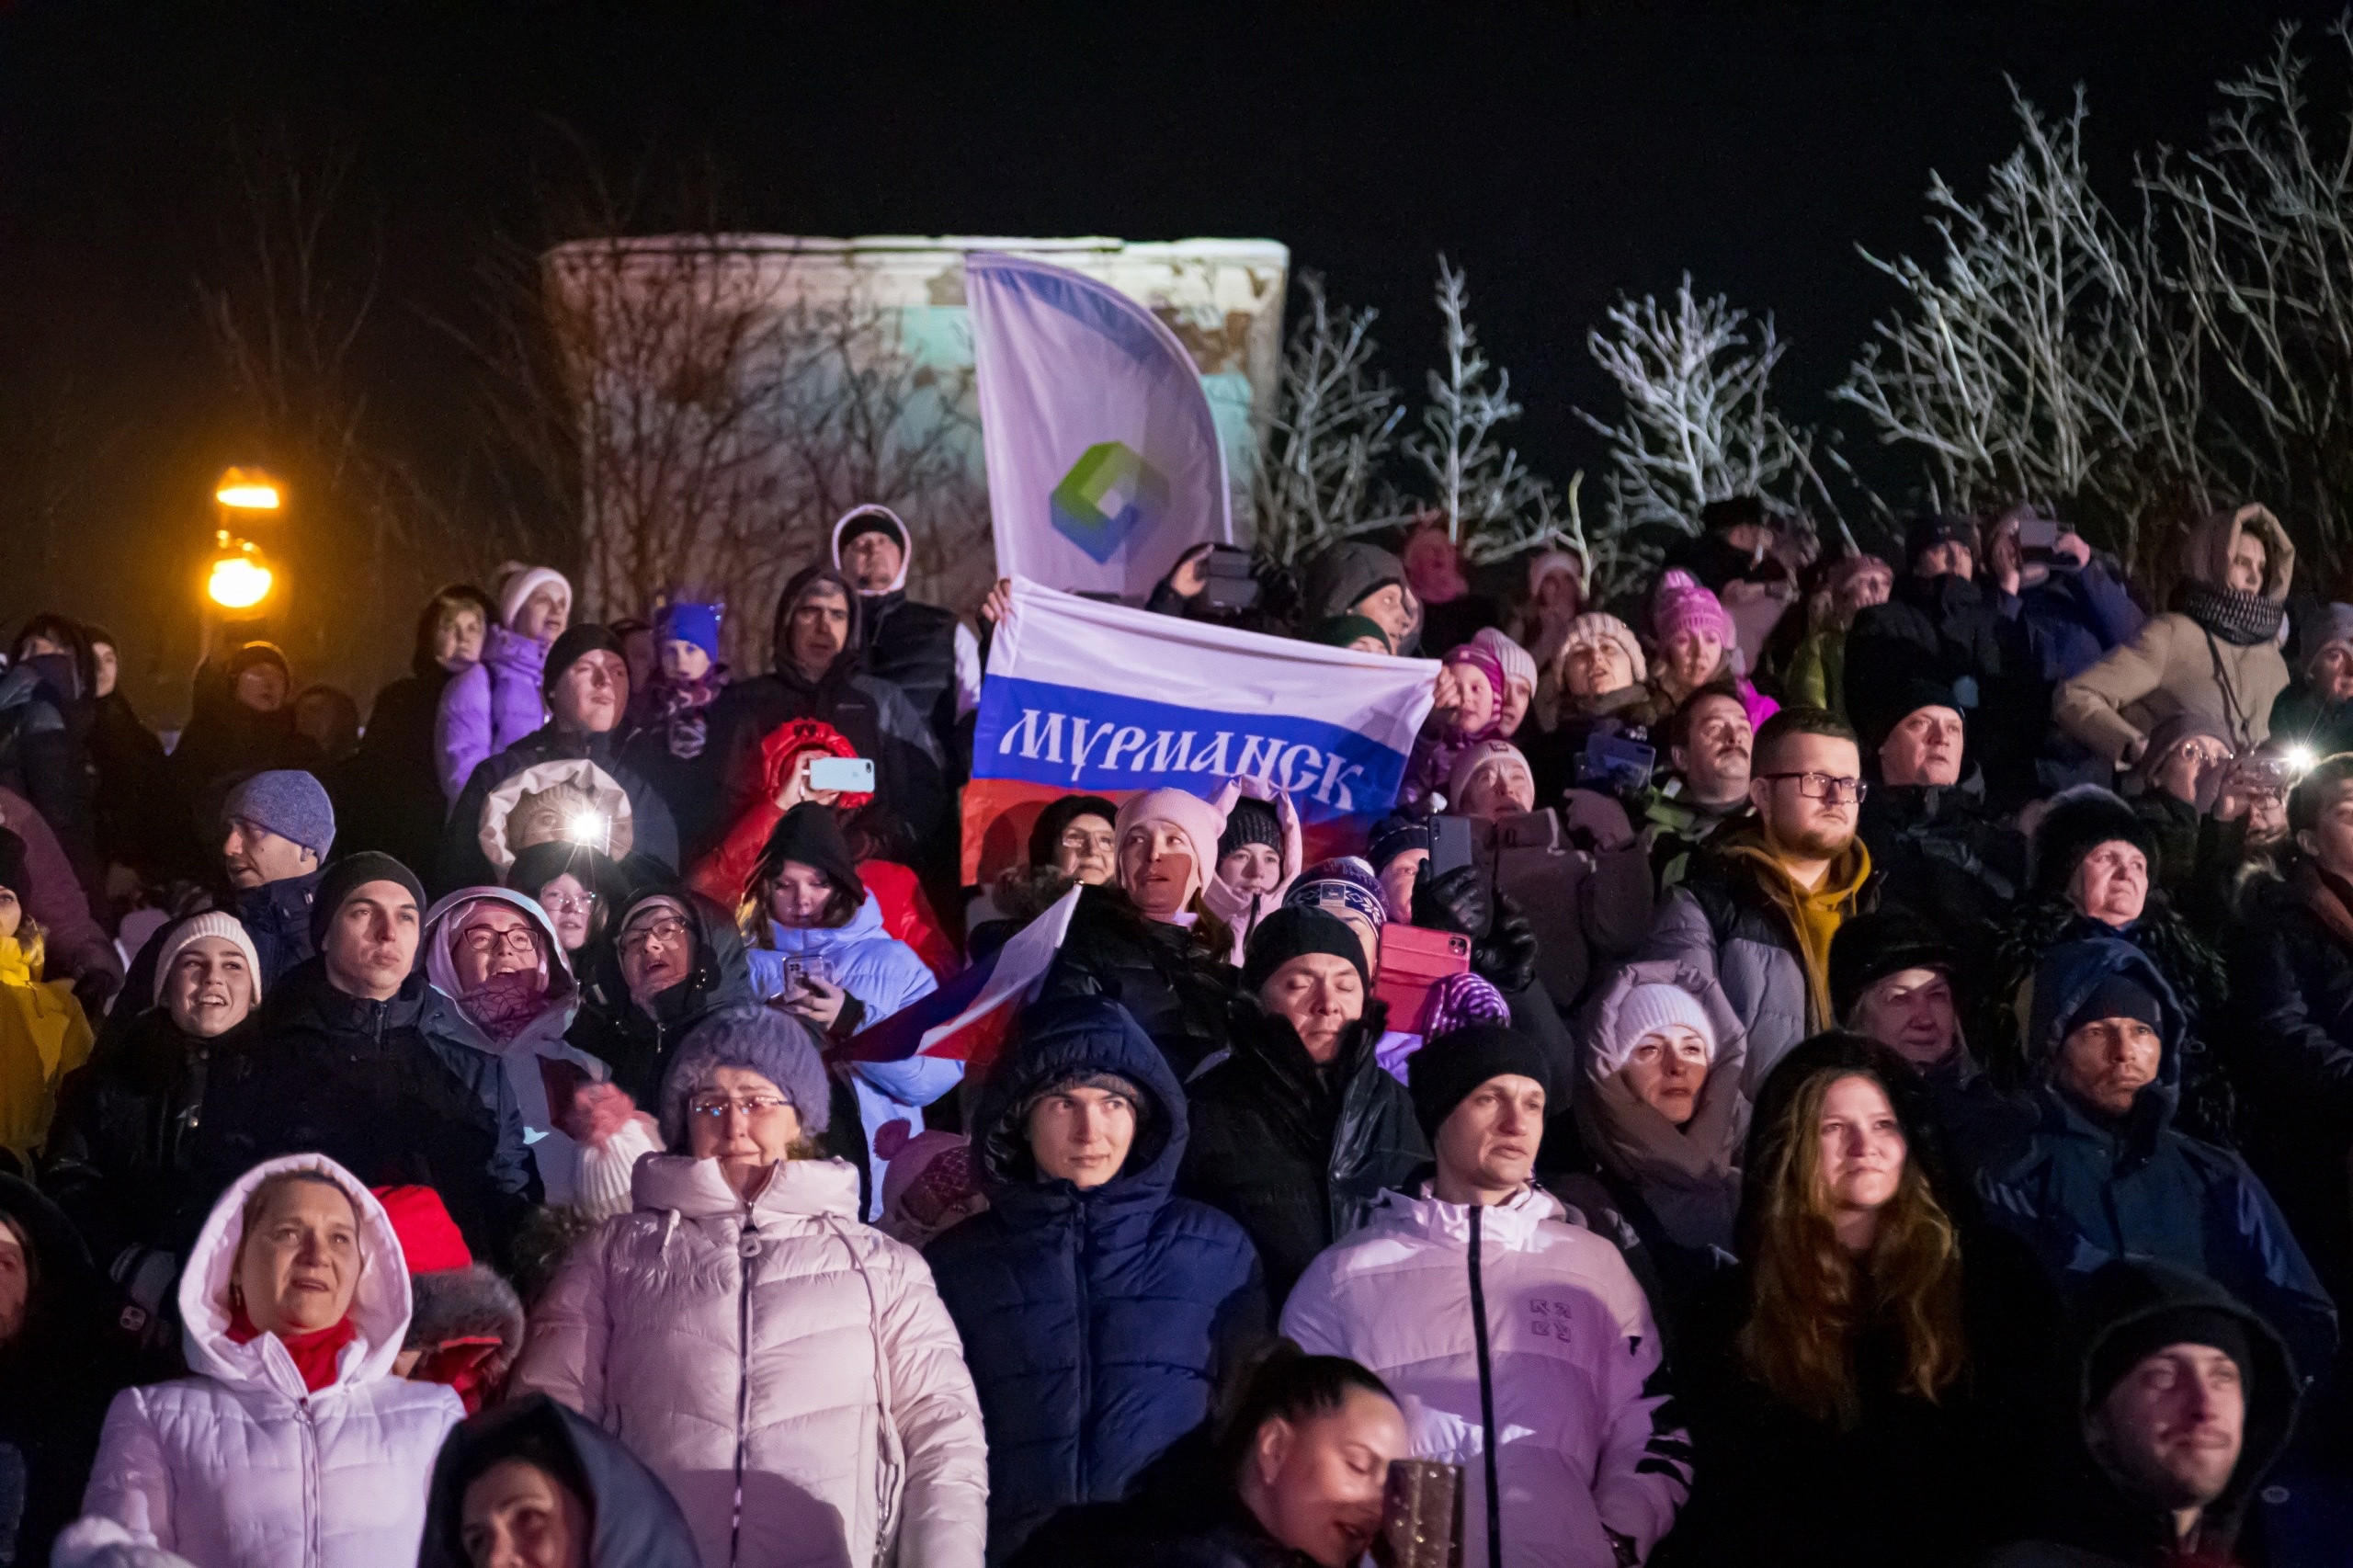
[638, 1046]
[1296, 1152]
[123, 1147]
[1943, 854]
[388, 1090]
[1169, 983]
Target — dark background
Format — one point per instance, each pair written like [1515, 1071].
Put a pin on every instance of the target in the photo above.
[1562, 152]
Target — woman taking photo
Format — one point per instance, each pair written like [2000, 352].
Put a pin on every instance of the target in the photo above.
[814, 939]
[789, 1373]
[295, 1444]
[1856, 1395]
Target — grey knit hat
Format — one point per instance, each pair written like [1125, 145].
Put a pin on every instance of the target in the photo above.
[776, 1046]
[287, 803]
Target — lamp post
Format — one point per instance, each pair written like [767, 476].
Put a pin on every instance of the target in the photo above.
[239, 581]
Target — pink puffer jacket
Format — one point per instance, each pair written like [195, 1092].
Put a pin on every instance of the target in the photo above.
[788, 1339]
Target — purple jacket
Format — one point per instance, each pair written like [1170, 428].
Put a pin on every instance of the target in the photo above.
[488, 707]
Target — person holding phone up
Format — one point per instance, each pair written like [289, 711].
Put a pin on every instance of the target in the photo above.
[818, 951]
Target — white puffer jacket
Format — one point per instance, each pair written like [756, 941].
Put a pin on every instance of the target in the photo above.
[243, 1466]
[1587, 1446]
[790, 1344]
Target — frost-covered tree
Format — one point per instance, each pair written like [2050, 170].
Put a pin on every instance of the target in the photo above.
[1699, 423]
[1335, 427]
[2262, 220]
[2037, 355]
[1493, 507]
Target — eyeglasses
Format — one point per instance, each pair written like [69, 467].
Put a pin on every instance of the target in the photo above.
[1824, 788]
[482, 941]
[714, 1108]
[654, 933]
[567, 902]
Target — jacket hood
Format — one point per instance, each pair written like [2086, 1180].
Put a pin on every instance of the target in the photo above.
[637, 1522]
[1627, 1135]
[693, 1189]
[2117, 1298]
[1345, 574]
[2065, 978]
[719, 977]
[1061, 1040]
[508, 810]
[2205, 553]
[66, 1298]
[380, 1306]
[898, 525]
[441, 969]
[799, 584]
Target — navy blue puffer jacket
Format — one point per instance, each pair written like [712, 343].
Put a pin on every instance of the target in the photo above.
[1096, 1322]
[2081, 1189]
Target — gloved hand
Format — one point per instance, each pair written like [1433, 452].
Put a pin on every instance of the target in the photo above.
[1507, 958]
[1503, 944]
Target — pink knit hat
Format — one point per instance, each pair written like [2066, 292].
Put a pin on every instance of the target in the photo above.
[1680, 604]
[1201, 824]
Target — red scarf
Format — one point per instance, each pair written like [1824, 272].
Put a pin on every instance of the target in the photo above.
[315, 1354]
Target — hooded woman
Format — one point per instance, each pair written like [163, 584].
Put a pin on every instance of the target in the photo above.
[494, 952]
[496, 701]
[1258, 858]
[786, 1370]
[2219, 657]
[1663, 1117]
[1099, 1311]
[674, 958]
[817, 950]
[530, 1474]
[293, 1441]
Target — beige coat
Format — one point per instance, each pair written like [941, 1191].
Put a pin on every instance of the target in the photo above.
[2171, 666]
[791, 1340]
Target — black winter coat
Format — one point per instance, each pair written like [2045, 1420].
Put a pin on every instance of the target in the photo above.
[127, 763]
[639, 1046]
[913, 646]
[1296, 1152]
[1943, 854]
[1948, 630]
[43, 754]
[276, 916]
[1159, 973]
[392, 800]
[462, 863]
[386, 1089]
[123, 1151]
[1099, 1322]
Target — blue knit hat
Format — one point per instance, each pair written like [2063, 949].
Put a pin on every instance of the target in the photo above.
[776, 1046]
[695, 623]
[287, 803]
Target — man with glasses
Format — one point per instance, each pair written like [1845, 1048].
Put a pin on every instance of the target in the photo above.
[1763, 899]
[358, 1057]
[678, 958]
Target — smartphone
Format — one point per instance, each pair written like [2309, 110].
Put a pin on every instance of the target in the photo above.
[1231, 585]
[1421, 1515]
[850, 775]
[1614, 760]
[2036, 538]
[1412, 960]
[1451, 845]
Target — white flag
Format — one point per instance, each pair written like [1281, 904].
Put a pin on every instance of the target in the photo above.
[1103, 458]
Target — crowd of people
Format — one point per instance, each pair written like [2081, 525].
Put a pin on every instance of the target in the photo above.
[1829, 1060]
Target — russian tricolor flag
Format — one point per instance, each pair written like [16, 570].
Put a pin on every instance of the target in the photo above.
[970, 1018]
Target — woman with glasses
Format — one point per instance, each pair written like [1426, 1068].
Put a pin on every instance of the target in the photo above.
[673, 959]
[818, 949]
[494, 953]
[787, 1372]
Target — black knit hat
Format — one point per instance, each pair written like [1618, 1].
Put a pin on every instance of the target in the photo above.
[1292, 932]
[1442, 1075]
[2118, 996]
[1877, 710]
[347, 876]
[2191, 1324]
[1869, 948]
[585, 638]
[1046, 835]
[1250, 822]
[2080, 820]
[1394, 835]
[809, 834]
[1924, 534]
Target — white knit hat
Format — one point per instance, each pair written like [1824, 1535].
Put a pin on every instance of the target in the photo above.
[521, 583]
[1518, 662]
[1594, 626]
[213, 923]
[1648, 1010]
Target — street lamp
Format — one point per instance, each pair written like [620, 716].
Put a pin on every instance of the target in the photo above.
[249, 490]
[238, 579]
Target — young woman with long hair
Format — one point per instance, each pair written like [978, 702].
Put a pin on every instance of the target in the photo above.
[1861, 1388]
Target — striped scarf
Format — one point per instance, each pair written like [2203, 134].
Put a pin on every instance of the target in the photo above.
[2240, 619]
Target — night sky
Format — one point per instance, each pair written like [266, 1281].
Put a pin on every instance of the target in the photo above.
[1563, 152]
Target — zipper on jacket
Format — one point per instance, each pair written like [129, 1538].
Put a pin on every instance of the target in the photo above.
[746, 1246]
[1085, 1358]
[1486, 1394]
[311, 1507]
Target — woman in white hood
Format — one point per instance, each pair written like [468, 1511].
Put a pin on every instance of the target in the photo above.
[294, 1444]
